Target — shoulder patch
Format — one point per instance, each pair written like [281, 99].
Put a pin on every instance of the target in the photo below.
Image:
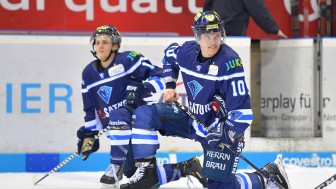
[213, 70]
[116, 69]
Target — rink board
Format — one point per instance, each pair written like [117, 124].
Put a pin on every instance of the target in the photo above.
[288, 88]
[40, 89]
[328, 98]
[99, 161]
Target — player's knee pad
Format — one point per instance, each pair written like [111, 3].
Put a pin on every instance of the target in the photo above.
[145, 117]
[221, 165]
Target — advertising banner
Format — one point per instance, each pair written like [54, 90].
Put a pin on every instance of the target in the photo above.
[40, 89]
[288, 88]
[328, 99]
[46, 162]
[168, 16]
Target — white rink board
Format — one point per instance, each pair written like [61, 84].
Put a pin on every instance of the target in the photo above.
[328, 101]
[299, 178]
[40, 80]
[288, 88]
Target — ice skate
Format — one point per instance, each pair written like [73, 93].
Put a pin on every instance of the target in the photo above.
[192, 167]
[111, 177]
[145, 177]
[276, 172]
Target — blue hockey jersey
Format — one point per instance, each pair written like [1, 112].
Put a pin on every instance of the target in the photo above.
[106, 91]
[222, 74]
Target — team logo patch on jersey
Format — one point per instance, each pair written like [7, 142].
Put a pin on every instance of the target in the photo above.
[105, 93]
[116, 70]
[194, 88]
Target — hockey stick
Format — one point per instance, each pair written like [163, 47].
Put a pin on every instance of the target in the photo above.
[37, 180]
[326, 182]
[222, 145]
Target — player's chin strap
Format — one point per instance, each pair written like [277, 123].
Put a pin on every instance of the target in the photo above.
[223, 145]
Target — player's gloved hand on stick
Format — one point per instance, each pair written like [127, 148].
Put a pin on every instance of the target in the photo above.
[84, 139]
[216, 135]
[219, 134]
[136, 92]
[232, 136]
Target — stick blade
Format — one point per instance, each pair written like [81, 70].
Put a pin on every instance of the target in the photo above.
[36, 178]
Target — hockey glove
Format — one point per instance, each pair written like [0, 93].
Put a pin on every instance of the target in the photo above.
[216, 135]
[232, 136]
[136, 92]
[85, 144]
[220, 134]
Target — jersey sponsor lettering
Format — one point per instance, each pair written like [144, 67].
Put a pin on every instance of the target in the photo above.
[199, 109]
[132, 55]
[167, 70]
[218, 155]
[214, 159]
[240, 147]
[233, 63]
[118, 122]
[235, 165]
[113, 107]
[215, 165]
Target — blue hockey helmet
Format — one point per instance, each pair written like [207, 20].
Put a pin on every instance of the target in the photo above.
[108, 30]
[208, 22]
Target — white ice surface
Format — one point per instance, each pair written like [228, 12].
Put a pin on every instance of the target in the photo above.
[300, 178]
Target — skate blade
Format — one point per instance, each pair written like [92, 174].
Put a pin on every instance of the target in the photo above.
[281, 166]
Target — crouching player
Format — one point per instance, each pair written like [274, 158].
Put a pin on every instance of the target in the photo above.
[209, 68]
[106, 83]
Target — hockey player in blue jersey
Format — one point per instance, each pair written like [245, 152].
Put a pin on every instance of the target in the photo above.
[106, 82]
[209, 68]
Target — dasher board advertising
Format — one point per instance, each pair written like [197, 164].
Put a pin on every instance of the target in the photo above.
[40, 89]
[288, 87]
[328, 97]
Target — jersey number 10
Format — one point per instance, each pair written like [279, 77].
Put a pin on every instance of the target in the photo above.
[240, 85]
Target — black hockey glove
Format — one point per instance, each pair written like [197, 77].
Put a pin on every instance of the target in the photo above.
[136, 92]
[219, 134]
[84, 139]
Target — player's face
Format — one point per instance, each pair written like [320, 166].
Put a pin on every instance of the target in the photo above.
[210, 43]
[103, 46]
